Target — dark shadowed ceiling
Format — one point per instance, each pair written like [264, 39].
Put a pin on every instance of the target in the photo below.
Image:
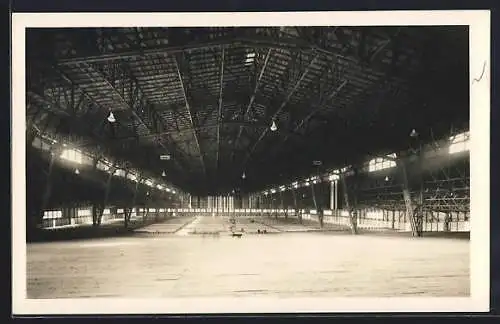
[207, 96]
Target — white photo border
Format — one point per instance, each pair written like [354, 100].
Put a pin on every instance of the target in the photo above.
[479, 29]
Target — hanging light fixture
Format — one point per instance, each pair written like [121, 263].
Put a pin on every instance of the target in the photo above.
[274, 127]
[111, 117]
[413, 133]
[77, 171]
[243, 176]
[386, 178]
[163, 174]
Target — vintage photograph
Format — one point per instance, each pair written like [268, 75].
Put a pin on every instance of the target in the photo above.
[245, 161]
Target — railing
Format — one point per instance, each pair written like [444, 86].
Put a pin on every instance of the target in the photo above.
[366, 218]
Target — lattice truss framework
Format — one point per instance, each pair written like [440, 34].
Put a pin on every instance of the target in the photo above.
[207, 96]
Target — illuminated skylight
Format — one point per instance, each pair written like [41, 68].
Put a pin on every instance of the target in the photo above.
[380, 163]
[119, 173]
[103, 165]
[459, 143]
[249, 59]
[72, 156]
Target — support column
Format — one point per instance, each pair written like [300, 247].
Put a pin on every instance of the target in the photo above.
[332, 195]
[97, 211]
[317, 206]
[297, 210]
[283, 204]
[411, 212]
[106, 195]
[352, 215]
[48, 189]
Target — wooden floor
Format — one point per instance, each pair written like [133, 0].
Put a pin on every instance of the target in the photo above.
[300, 264]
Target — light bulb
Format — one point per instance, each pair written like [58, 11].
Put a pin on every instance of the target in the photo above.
[274, 127]
[413, 133]
[243, 176]
[111, 117]
[386, 178]
[77, 171]
[163, 174]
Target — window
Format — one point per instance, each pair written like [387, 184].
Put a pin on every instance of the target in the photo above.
[73, 156]
[119, 173]
[459, 143]
[250, 57]
[379, 163]
[84, 212]
[103, 165]
[51, 214]
[131, 176]
[37, 143]
[333, 177]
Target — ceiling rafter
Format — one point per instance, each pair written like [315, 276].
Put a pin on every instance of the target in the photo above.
[135, 103]
[283, 104]
[232, 102]
[219, 112]
[283, 43]
[188, 110]
[138, 96]
[255, 90]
